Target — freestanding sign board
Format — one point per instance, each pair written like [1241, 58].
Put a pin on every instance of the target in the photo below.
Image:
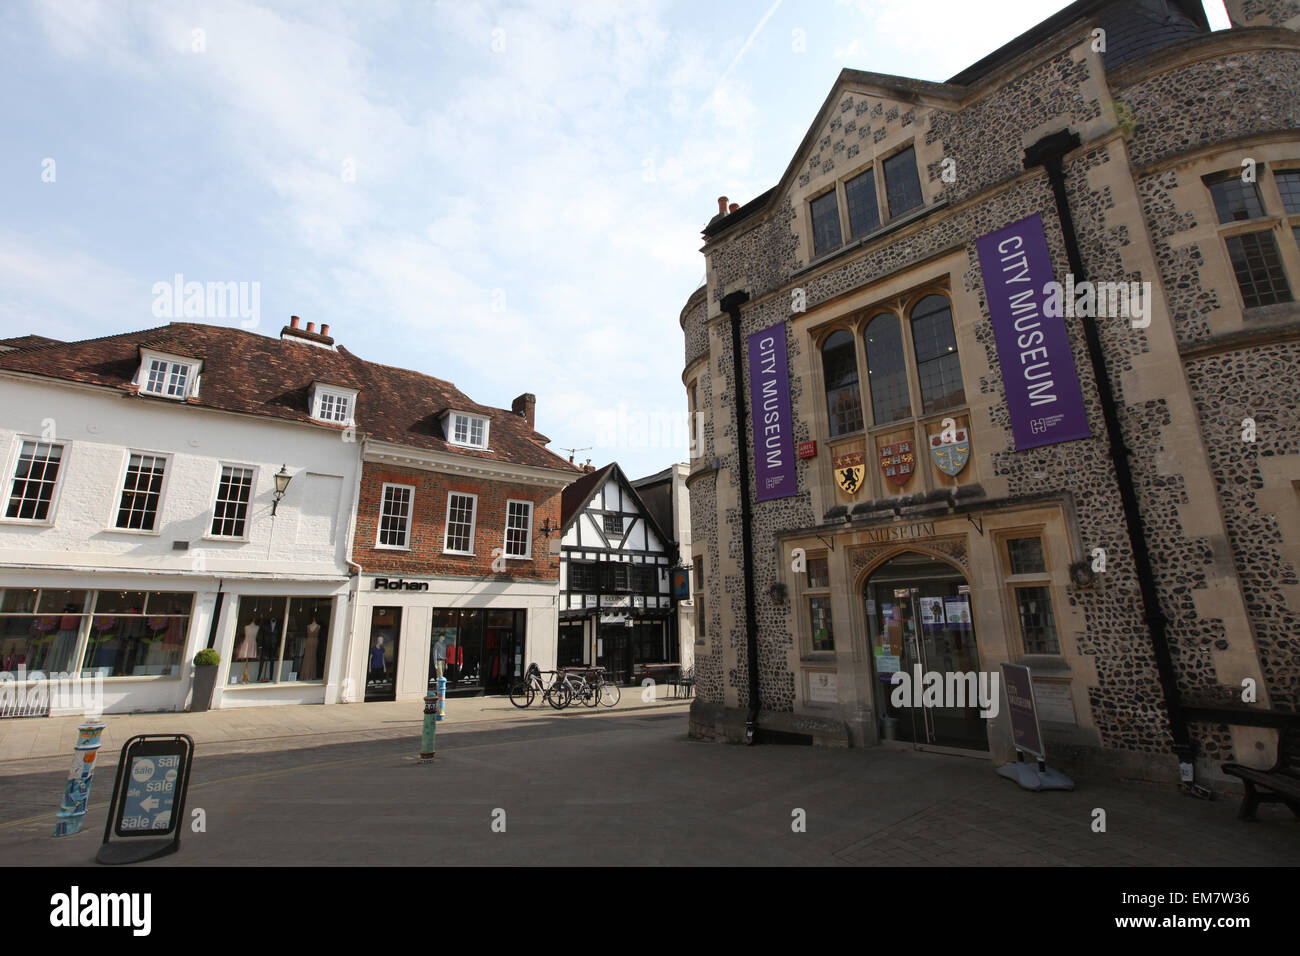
[1027, 735]
[148, 806]
[1023, 710]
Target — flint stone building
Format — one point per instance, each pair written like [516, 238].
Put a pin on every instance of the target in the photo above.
[952, 538]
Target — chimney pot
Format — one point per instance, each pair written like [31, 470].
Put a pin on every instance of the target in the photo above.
[733, 207]
[324, 329]
[293, 321]
[311, 326]
[722, 205]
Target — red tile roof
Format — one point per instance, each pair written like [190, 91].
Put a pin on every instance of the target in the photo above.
[27, 342]
[258, 375]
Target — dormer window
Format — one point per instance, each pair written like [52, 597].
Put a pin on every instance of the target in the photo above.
[333, 405]
[471, 431]
[168, 377]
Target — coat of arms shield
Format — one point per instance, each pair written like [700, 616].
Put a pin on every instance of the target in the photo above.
[950, 457]
[850, 471]
[897, 461]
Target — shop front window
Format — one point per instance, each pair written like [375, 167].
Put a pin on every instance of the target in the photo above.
[479, 650]
[280, 639]
[138, 633]
[40, 629]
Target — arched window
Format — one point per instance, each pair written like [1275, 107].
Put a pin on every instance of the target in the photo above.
[886, 371]
[840, 369]
[937, 366]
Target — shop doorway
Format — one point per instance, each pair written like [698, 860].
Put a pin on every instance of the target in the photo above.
[614, 651]
[381, 657]
[918, 612]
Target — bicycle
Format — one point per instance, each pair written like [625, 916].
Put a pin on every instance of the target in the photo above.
[607, 691]
[524, 692]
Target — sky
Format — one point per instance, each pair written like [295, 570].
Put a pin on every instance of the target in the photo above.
[508, 196]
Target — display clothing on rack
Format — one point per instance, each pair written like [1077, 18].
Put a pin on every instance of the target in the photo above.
[246, 649]
[309, 650]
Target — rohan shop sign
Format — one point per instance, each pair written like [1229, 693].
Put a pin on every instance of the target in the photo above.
[397, 584]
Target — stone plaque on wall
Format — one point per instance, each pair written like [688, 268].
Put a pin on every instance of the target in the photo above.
[1055, 702]
[822, 687]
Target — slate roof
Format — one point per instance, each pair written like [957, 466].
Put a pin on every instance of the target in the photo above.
[272, 377]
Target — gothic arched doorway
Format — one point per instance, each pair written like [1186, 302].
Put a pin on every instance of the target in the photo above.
[920, 623]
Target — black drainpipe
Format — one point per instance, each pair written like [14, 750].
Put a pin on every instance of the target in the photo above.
[731, 305]
[216, 614]
[1048, 152]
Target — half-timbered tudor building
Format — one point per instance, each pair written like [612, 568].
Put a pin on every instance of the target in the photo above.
[615, 608]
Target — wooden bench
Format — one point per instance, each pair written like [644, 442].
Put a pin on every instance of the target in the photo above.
[1280, 784]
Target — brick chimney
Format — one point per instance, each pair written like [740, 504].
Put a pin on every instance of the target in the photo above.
[722, 205]
[526, 405]
[296, 333]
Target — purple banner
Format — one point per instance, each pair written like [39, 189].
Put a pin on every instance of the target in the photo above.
[769, 402]
[1043, 397]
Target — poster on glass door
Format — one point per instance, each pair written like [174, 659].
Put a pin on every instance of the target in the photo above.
[932, 611]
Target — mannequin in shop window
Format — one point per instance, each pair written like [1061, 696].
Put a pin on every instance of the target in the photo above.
[377, 671]
[269, 651]
[310, 647]
[246, 649]
[66, 641]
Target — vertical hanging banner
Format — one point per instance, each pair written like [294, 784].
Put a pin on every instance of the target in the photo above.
[1038, 374]
[769, 402]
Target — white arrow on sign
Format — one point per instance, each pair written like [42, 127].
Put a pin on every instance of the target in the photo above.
[149, 804]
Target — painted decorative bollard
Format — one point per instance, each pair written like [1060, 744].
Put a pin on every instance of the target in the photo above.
[435, 709]
[76, 794]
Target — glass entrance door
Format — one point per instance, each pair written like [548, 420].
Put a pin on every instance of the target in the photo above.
[381, 658]
[920, 622]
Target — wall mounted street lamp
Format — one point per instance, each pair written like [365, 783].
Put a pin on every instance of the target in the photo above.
[282, 480]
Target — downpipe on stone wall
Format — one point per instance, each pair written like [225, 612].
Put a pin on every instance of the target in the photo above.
[731, 304]
[1049, 153]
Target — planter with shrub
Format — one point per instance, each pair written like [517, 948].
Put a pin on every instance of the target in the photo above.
[206, 664]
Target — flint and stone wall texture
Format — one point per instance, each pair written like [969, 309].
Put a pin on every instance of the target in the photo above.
[1215, 510]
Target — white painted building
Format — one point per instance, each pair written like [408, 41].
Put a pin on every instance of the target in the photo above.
[140, 519]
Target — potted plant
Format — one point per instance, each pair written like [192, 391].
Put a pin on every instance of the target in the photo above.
[205, 679]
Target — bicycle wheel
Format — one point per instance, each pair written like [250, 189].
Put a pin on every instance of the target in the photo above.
[521, 695]
[610, 694]
[557, 695]
[590, 695]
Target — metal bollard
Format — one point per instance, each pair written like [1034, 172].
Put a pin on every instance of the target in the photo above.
[442, 698]
[429, 738]
[76, 794]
